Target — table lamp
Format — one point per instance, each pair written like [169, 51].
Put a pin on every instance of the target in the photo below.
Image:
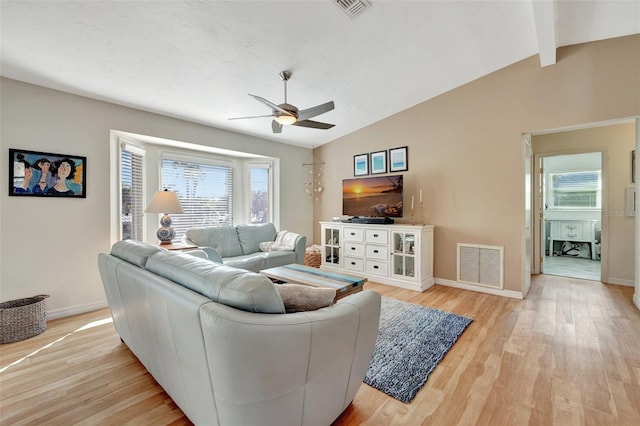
[165, 202]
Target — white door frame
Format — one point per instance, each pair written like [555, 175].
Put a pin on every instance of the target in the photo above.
[539, 235]
[527, 240]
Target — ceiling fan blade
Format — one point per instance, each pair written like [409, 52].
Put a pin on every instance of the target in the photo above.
[316, 110]
[276, 127]
[270, 104]
[253, 116]
[313, 124]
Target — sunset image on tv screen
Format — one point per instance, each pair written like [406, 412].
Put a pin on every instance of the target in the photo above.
[372, 196]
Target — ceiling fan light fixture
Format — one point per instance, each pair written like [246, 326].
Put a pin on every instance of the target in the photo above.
[286, 119]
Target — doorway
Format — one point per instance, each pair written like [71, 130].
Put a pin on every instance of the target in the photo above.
[571, 215]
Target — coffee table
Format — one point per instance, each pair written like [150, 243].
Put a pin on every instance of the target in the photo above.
[300, 274]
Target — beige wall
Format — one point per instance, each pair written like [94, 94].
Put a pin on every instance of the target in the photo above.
[616, 142]
[51, 245]
[465, 146]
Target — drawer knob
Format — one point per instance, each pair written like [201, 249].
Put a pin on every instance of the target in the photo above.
[375, 251]
[375, 235]
[353, 263]
[375, 266]
[353, 248]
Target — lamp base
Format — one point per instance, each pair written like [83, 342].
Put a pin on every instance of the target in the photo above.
[165, 234]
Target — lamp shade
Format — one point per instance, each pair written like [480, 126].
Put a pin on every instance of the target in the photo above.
[164, 202]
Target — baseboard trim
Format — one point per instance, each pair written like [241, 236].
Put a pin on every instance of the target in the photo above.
[75, 310]
[636, 299]
[620, 281]
[495, 291]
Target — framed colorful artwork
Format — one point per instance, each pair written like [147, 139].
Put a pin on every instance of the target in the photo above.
[45, 174]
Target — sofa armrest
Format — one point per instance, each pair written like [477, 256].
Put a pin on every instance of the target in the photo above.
[299, 247]
[213, 254]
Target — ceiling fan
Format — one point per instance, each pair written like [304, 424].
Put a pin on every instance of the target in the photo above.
[286, 113]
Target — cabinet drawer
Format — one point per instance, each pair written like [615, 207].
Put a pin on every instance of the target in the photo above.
[572, 230]
[377, 267]
[376, 252]
[353, 234]
[353, 264]
[379, 236]
[353, 249]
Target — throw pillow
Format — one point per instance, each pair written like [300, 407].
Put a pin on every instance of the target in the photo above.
[300, 298]
[266, 245]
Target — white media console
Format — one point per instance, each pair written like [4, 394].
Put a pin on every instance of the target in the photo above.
[399, 255]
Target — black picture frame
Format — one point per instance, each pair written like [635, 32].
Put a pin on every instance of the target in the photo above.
[38, 174]
[361, 165]
[399, 159]
[633, 166]
[378, 162]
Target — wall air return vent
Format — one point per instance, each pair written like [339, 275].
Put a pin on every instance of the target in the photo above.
[481, 265]
[352, 8]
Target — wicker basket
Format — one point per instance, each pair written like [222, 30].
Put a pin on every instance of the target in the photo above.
[22, 318]
[312, 258]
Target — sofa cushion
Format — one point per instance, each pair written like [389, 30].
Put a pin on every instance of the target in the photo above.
[134, 252]
[251, 236]
[278, 258]
[223, 284]
[300, 298]
[222, 238]
[251, 262]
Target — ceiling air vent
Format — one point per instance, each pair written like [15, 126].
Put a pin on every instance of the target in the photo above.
[352, 8]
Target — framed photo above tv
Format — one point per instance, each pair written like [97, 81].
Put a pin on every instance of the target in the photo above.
[378, 162]
[361, 165]
[398, 159]
[44, 174]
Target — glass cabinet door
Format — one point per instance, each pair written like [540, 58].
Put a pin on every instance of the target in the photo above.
[331, 246]
[404, 248]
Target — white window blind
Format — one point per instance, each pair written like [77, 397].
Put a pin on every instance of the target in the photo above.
[205, 192]
[259, 194]
[575, 189]
[131, 183]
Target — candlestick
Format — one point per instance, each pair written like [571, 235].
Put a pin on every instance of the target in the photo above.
[412, 203]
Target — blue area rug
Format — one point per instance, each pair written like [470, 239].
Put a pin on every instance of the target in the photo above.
[411, 341]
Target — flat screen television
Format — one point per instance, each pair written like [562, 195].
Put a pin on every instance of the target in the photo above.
[375, 196]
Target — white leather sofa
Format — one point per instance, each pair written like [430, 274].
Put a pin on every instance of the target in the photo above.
[217, 340]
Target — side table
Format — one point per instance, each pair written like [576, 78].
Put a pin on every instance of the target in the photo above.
[177, 246]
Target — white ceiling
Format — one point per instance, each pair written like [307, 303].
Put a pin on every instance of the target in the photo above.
[198, 60]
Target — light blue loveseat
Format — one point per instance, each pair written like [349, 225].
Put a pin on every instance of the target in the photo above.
[238, 246]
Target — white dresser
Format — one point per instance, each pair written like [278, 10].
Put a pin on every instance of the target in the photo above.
[400, 255]
[573, 230]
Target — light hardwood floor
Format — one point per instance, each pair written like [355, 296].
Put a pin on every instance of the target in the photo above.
[567, 355]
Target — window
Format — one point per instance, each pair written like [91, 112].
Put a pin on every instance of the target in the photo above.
[259, 193]
[131, 195]
[575, 189]
[205, 191]
[215, 186]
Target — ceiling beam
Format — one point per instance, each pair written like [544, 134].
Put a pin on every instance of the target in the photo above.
[544, 17]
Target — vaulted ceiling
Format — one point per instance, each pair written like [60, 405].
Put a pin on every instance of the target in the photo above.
[199, 60]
